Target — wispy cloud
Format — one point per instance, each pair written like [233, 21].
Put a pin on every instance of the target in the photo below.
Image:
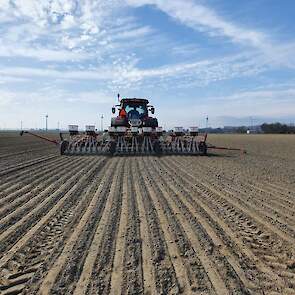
[43, 54]
[205, 19]
[57, 30]
[127, 74]
[53, 95]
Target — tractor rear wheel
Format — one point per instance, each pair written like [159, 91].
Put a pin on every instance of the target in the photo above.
[150, 122]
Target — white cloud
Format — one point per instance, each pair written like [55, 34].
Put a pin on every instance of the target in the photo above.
[125, 73]
[133, 34]
[55, 74]
[51, 94]
[42, 24]
[43, 54]
[202, 18]
[67, 30]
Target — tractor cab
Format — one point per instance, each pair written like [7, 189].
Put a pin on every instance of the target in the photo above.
[134, 112]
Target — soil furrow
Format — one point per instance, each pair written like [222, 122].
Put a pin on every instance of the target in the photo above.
[132, 280]
[27, 164]
[261, 197]
[126, 267]
[204, 211]
[105, 239]
[48, 240]
[98, 263]
[234, 201]
[26, 180]
[203, 234]
[11, 182]
[23, 152]
[45, 208]
[27, 194]
[251, 192]
[70, 262]
[188, 261]
[276, 198]
[164, 273]
[192, 214]
[170, 224]
[42, 202]
[278, 188]
[149, 278]
[258, 240]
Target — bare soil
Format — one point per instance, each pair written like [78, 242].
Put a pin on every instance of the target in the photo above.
[222, 224]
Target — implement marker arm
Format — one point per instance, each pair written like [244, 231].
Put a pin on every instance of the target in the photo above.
[41, 137]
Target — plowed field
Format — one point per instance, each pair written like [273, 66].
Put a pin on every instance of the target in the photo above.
[223, 224]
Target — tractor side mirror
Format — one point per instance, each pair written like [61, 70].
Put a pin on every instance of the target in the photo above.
[152, 110]
[113, 110]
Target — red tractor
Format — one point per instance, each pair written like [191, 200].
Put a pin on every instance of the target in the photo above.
[134, 112]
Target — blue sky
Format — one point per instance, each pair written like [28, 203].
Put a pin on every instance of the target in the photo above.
[228, 59]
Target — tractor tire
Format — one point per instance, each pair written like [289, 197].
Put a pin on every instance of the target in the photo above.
[63, 147]
[151, 122]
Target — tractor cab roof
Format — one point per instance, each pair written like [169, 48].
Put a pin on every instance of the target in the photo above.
[134, 100]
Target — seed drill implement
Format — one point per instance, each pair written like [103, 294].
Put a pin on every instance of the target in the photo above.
[134, 131]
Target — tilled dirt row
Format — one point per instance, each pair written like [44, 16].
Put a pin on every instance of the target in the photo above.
[143, 225]
[17, 151]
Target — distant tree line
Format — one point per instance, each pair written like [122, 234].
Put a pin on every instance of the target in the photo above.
[277, 128]
[241, 129]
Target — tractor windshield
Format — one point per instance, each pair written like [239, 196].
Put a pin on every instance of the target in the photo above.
[135, 111]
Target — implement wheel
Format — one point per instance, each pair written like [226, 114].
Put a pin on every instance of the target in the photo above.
[63, 147]
[203, 148]
[113, 146]
[157, 148]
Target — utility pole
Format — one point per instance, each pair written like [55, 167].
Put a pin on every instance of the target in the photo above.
[21, 125]
[207, 119]
[101, 122]
[46, 123]
[251, 122]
